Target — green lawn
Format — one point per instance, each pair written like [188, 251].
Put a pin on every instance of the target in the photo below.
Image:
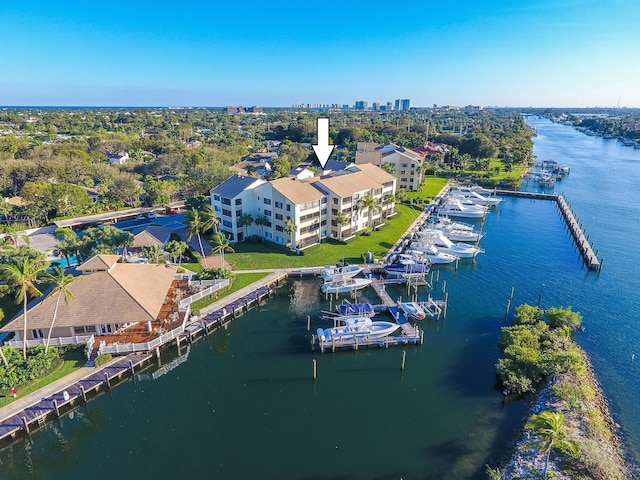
[330, 252]
[241, 281]
[429, 189]
[71, 361]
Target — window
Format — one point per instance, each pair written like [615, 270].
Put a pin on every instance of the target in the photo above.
[278, 216]
[324, 200]
[323, 223]
[278, 204]
[405, 165]
[227, 224]
[78, 330]
[279, 228]
[324, 211]
[216, 198]
[267, 213]
[226, 201]
[267, 201]
[334, 211]
[217, 208]
[238, 213]
[335, 201]
[268, 235]
[404, 180]
[38, 333]
[90, 329]
[226, 213]
[238, 201]
[288, 207]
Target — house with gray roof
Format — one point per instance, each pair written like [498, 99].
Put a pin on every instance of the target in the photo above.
[232, 198]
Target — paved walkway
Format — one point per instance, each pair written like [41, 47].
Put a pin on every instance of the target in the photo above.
[25, 401]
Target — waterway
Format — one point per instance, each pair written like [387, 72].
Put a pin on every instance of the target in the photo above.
[244, 404]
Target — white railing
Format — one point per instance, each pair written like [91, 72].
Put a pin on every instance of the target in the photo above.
[207, 291]
[90, 343]
[141, 347]
[55, 341]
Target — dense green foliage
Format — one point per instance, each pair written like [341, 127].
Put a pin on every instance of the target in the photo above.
[52, 157]
[214, 273]
[532, 349]
[19, 371]
[102, 359]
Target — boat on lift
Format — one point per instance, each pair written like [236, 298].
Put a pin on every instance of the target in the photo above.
[412, 309]
[330, 274]
[358, 327]
[345, 285]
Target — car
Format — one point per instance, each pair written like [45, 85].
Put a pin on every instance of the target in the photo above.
[151, 214]
[140, 217]
[170, 211]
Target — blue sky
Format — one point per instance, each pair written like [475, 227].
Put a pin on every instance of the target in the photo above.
[205, 53]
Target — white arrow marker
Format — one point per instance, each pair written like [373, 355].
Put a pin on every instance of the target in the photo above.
[323, 149]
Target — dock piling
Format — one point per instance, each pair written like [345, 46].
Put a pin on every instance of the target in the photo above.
[404, 357]
[315, 369]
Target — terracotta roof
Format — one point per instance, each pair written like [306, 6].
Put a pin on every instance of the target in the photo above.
[128, 293]
[346, 185]
[296, 191]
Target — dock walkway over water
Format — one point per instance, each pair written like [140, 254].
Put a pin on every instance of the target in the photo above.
[575, 228]
[35, 409]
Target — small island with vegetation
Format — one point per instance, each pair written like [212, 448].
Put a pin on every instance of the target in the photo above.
[569, 433]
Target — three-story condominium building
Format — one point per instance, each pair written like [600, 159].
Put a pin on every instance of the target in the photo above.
[301, 213]
[406, 164]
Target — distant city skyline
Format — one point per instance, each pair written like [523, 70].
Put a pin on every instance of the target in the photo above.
[562, 53]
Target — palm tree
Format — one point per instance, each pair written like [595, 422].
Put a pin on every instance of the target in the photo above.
[371, 204]
[262, 221]
[176, 248]
[61, 282]
[388, 167]
[21, 275]
[290, 227]
[401, 195]
[548, 429]
[244, 221]
[387, 199]
[341, 219]
[198, 222]
[153, 252]
[221, 244]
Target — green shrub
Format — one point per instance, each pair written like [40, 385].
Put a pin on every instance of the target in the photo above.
[102, 359]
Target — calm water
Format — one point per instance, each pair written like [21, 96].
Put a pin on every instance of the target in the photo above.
[244, 405]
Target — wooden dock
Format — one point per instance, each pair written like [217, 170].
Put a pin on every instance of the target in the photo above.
[54, 405]
[575, 228]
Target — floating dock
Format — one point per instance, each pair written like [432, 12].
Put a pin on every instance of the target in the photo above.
[53, 406]
[575, 228]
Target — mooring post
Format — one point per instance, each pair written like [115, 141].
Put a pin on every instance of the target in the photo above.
[84, 394]
[308, 322]
[26, 425]
[446, 302]
[315, 369]
[404, 357]
[131, 366]
[55, 405]
[106, 379]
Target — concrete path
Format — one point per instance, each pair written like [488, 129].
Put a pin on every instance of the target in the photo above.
[26, 401]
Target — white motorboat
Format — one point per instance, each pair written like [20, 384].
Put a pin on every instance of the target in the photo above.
[330, 274]
[446, 222]
[358, 327]
[428, 251]
[412, 309]
[455, 208]
[468, 236]
[347, 285]
[408, 269]
[475, 198]
[445, 245]
[473, 188]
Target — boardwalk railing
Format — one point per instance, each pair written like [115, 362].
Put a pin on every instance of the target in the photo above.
[207, 291]
[141, 347]
[55, 341]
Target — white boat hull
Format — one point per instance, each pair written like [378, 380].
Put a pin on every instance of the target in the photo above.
[364, 330]
[350, 285]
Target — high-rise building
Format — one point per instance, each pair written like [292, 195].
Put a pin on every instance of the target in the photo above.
[405, 105]
[362, 105]
[397, 105]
